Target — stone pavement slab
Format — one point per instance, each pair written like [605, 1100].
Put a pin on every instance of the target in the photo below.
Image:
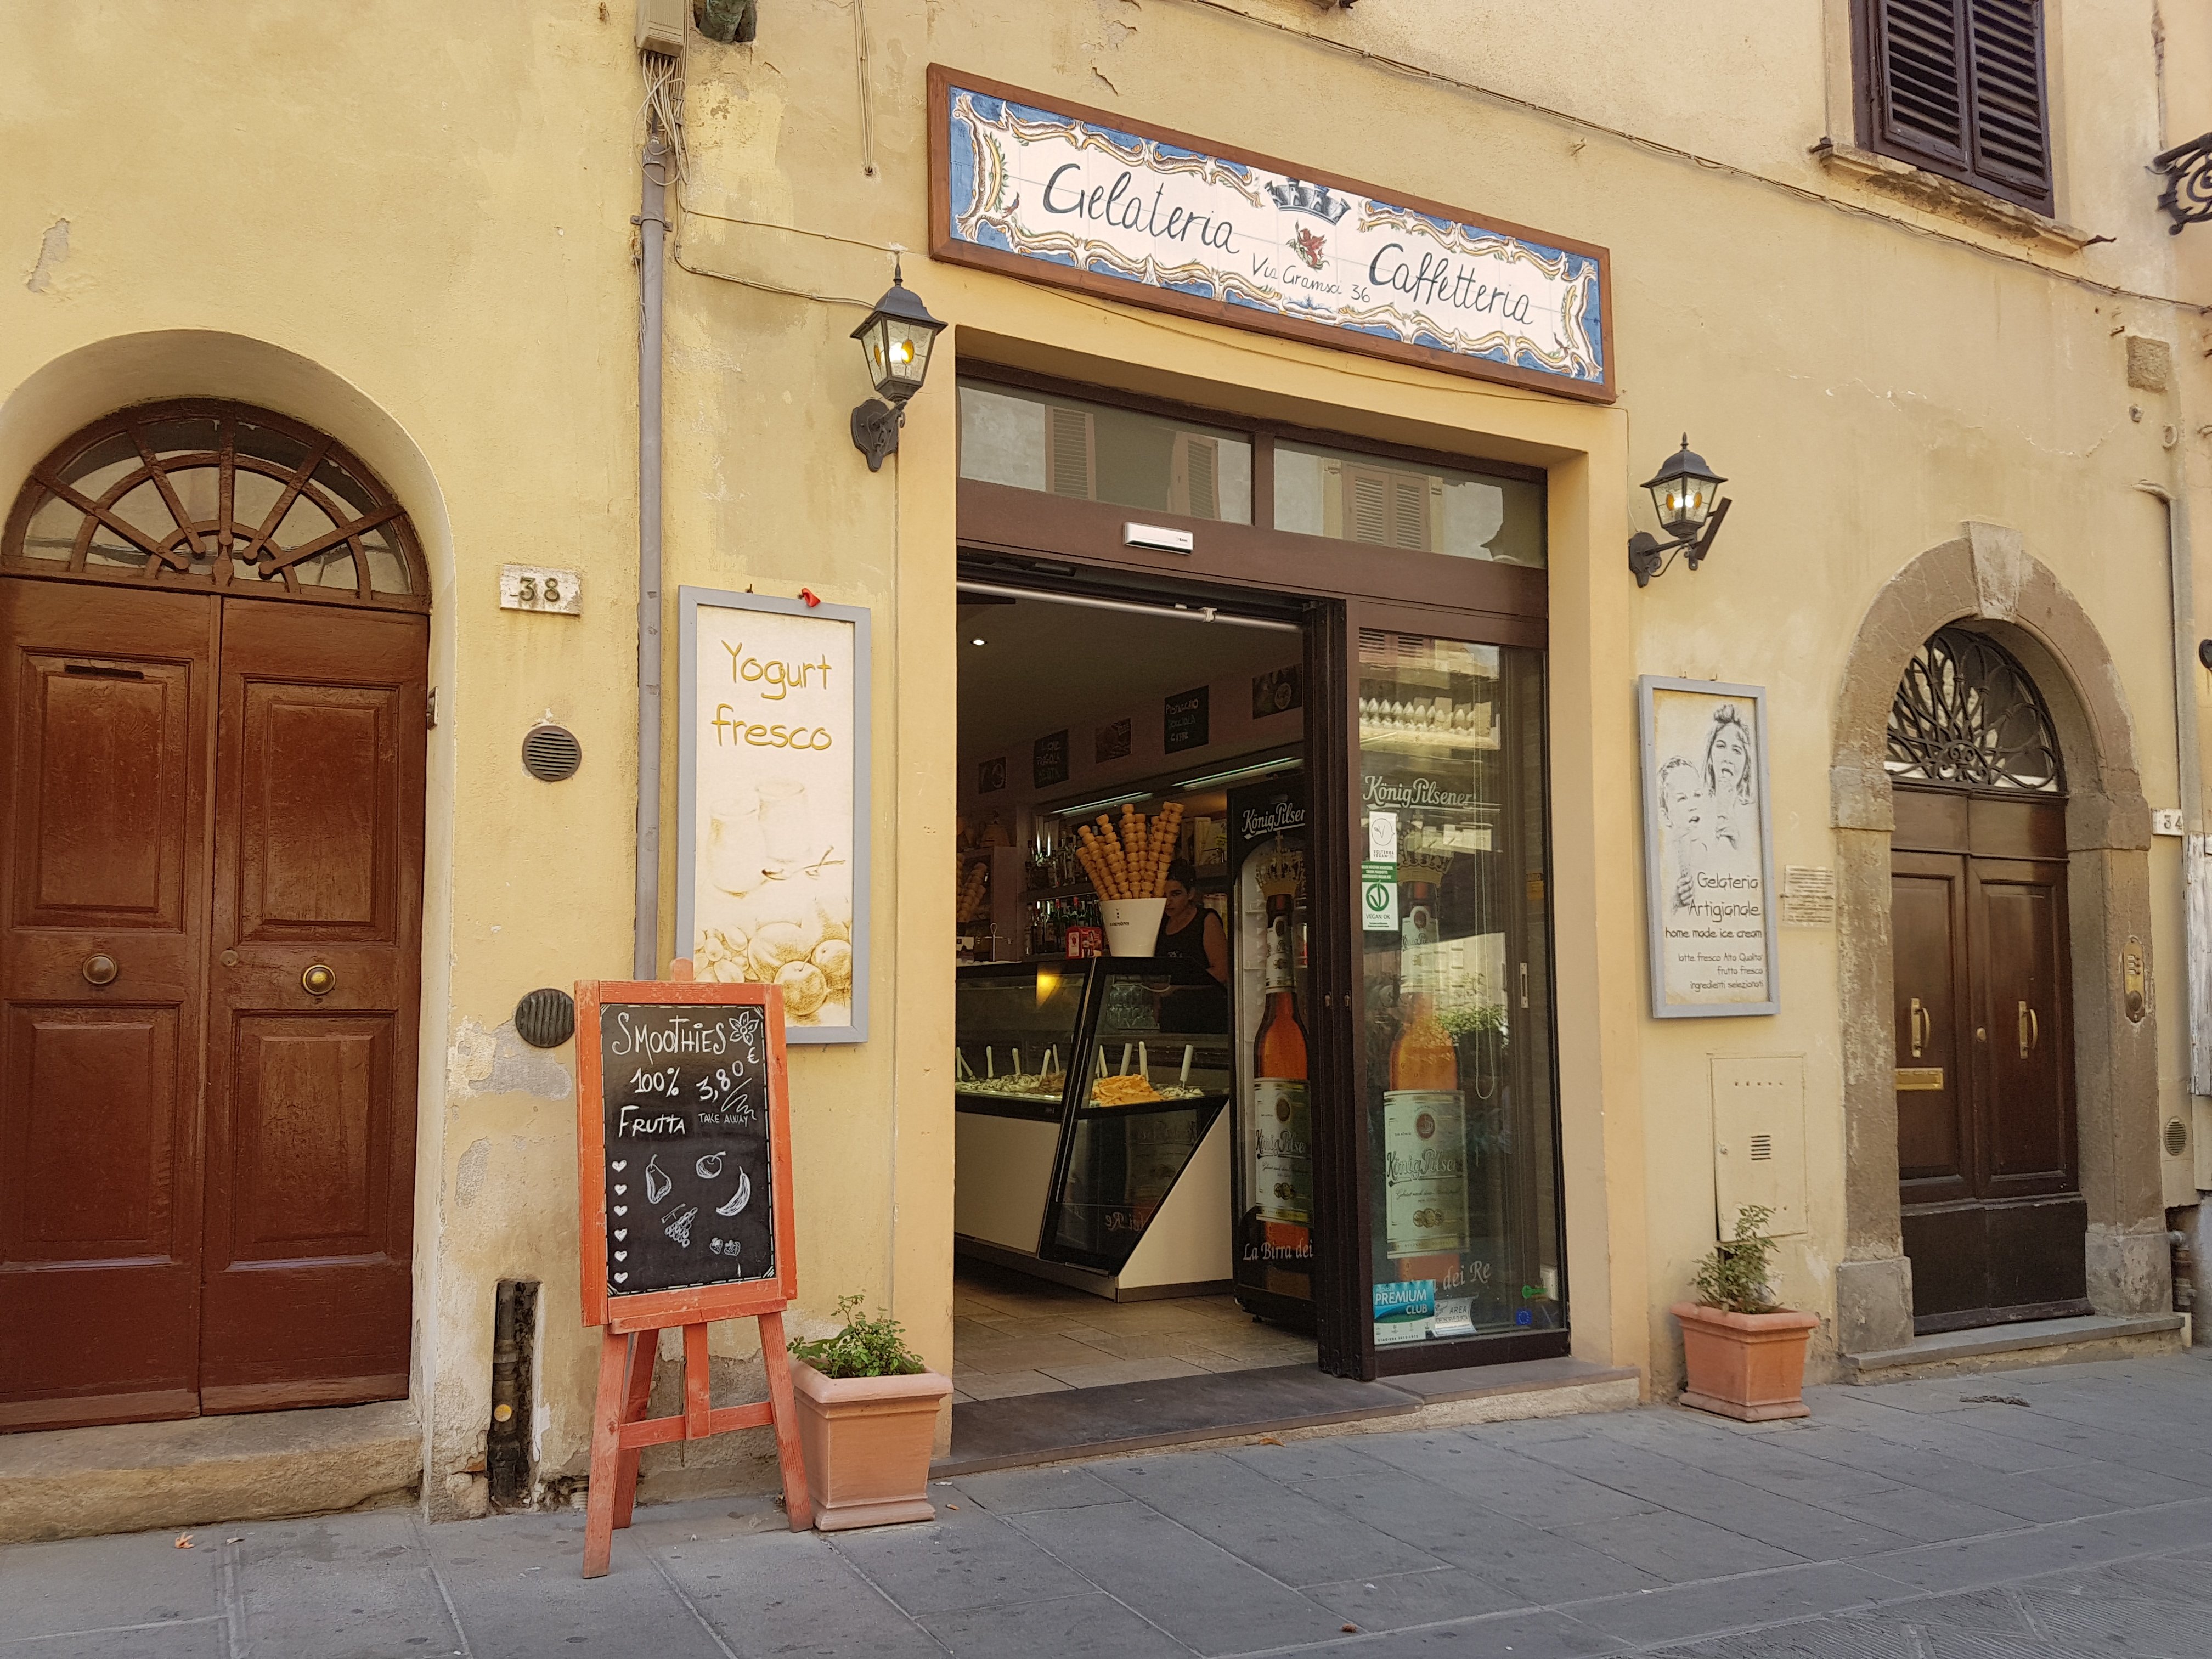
[1914, 1520]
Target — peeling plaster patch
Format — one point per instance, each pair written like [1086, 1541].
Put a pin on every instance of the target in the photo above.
[53, 248]
[468, 1179]
[481, 1062]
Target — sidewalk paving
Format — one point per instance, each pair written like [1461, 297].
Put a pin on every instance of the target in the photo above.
[2053, 1512]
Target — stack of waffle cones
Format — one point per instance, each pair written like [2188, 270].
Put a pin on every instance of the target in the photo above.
[1131, 861]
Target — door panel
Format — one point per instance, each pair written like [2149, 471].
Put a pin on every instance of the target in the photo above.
[2028, 1117]
[310, 1129]
[107, 701]
[1927, 925]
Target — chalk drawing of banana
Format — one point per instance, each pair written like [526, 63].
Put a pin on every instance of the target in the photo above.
[739, 1199]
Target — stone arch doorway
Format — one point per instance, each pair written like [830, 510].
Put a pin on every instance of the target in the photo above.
[1987, 581]
[215, 625]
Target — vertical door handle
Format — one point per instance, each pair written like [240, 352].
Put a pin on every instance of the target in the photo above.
[1919, 1014]
[2031, 1032]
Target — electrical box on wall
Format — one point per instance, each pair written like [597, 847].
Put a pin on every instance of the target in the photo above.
[1758, 1140]
[660, 25]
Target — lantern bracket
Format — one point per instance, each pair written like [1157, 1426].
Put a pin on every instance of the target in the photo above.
[875, 431]
[1649, 556]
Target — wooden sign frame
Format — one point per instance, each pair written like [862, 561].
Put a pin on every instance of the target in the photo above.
[631, 1324]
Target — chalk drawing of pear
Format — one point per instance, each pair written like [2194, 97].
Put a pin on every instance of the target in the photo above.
[739, 1199]
[657, 1185]
[709, 1166]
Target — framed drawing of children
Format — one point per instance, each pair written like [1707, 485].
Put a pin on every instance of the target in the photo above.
[1708, 848]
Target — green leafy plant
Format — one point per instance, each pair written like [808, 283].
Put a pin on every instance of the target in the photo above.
[1734, 1276]
[866, 1348]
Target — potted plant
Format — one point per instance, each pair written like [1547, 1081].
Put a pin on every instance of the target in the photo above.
[867, 1414]
[1745, 1356]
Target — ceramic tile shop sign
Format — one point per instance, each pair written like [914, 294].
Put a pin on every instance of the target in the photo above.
[772, 823]
[1052, 191]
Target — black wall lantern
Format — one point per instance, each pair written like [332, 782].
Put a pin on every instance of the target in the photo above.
[1687, 494]
[895, 340]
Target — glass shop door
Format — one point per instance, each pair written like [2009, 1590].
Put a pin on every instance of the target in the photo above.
[1447, 1159]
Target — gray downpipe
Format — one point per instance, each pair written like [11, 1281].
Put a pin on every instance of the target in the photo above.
[2196, 855]
[652, 227]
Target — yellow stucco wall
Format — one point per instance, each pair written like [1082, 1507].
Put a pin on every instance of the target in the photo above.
[410, 225]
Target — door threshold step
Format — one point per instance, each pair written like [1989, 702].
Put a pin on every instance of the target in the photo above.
[2030, 1342]
[193, 1472]
[1280, 1401]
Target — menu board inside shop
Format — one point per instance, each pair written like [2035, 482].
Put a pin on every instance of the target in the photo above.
[688, 1152]
[1187, 720]
[1036, 187]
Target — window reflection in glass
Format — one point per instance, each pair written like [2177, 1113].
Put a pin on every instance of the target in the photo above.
[1098, 452]
[1391, 502]
[1458, 1029]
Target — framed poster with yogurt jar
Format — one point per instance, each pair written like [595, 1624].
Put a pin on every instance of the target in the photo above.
[1708, 848]
[772, 804]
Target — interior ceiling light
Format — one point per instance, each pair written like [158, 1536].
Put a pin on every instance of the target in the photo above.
[1258, 769]
[1100, 806]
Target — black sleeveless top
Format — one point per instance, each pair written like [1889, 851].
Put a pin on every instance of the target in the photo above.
[1189, 943]
[1198, 1009]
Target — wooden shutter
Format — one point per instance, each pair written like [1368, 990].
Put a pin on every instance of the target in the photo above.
[1194, 477]
[1957, 86]
[1069, 447]
[2011, 123]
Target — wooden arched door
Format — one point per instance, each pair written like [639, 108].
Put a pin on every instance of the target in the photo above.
[1989, 1165]
[214, 702]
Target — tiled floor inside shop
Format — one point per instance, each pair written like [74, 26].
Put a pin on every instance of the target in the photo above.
[1014, 1335]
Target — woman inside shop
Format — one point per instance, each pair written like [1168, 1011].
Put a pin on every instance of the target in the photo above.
[1191, 932]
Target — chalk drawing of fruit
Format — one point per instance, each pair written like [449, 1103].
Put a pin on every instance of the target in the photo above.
[739, 1199]
[657, 1185]
[709, 1166]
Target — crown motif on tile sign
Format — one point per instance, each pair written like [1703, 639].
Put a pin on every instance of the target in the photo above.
[1296, 196]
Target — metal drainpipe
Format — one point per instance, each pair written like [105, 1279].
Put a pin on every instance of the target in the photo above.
[2197, 881]
[652, 227]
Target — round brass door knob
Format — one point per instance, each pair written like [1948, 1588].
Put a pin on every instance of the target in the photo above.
[317, 980]
[99, 968]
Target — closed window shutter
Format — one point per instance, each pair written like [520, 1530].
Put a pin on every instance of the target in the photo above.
[1409, 511]
[2011, 140]
[1921, 76]
[1957, 86]
[1068, 448]
[1194, 477]
[1367, 506]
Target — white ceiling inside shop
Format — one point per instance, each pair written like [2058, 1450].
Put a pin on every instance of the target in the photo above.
[1042, 666]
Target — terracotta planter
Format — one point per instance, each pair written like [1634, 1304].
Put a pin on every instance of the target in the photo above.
[1747, 1366]
[866, 1441]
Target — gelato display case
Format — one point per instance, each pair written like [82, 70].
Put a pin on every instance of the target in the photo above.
[1091, 1141]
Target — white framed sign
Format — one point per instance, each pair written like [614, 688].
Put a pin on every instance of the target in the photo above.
[1708, 848]
[772, 812]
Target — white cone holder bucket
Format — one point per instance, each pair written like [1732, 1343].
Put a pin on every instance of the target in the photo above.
[1133, 925]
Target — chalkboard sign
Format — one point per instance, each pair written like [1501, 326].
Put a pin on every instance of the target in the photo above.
[1049, 760]
[683, 1146]
[1186, 720]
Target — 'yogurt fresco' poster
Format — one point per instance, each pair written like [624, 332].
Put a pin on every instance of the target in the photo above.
[775, 814]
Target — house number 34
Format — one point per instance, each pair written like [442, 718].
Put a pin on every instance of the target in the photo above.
[540, 587]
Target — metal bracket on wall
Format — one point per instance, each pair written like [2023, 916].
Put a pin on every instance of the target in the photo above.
[2188, 170]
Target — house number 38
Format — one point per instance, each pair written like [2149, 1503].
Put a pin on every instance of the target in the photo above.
[538, 587]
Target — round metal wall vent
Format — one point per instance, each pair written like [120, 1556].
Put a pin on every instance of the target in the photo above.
[2176, 1137]
[546, 1019]
[551, 754]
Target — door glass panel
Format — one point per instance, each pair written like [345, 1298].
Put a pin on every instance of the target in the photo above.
[1097, 452]
[1390, 502]
[1457, 1064]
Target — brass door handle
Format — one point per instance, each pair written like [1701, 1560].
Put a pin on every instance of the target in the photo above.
[1919, 1014]
[99, 968]
[2031, 1032]
[319, 980]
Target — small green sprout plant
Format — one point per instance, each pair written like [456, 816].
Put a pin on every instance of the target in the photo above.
[1734, 1276]
[866, 1348]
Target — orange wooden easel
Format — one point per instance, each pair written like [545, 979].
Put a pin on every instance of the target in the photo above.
[630, 1337]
